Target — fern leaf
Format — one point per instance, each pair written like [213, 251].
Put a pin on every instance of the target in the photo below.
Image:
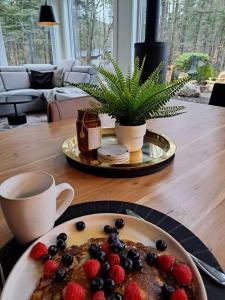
[167, 111]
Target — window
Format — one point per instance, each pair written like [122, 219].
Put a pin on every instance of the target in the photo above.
[196, 32]
[24, 41]
[93, 30]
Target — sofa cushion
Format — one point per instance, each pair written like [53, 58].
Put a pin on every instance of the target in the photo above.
[15, 80]
[2, 88]
[77, 77]
[40, 67]
[81, 69]
[58, 76]
[12, 69]
[27, 92]
[66, 64]
[41, 80]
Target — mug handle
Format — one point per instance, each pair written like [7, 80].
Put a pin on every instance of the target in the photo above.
[67, 200]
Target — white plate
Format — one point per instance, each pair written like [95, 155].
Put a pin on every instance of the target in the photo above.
[26, 273]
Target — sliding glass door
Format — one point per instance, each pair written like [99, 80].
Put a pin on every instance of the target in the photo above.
[93, 30]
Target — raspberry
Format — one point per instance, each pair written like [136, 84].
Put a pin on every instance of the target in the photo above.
[38, 251]
[114, 259]
[74, 291]
[166, 262]
[117, 273]
[98, 296]
[50, 266]
[132, 291]
[182, 273]
[105, 247]
[91, 268]
[179, 294]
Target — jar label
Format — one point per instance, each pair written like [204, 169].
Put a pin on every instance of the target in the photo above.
[94, 138]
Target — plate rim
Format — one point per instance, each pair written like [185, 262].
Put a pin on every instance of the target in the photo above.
[114, 215]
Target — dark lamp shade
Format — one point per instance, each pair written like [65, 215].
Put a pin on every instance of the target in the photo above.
[47, 17]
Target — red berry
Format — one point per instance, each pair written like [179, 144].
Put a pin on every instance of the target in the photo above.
[166, 262]
[74, 291]
[38, 251]
[114, 259]
[50, 266]
[179, 294]
[91, 268]
[105, 247]
[117, 273]
[182, 273]
[132, 291]
[100, 295]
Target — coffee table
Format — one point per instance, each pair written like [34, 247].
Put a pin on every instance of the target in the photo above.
[17, 118]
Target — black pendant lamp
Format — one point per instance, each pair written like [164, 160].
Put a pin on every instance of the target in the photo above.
[46, 16]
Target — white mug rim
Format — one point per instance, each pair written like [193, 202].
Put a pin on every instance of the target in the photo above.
[30, 197]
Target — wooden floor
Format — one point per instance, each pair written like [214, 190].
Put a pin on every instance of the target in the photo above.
[191, 189]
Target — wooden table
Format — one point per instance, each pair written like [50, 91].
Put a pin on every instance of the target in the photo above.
[191, 189]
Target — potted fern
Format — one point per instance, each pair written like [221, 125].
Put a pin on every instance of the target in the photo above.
[123, 97]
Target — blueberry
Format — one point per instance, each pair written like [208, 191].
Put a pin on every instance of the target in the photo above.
[101, 256]
[67, 259]
[62, 236]
[116, 247]
[167, 290]
[119, 223]
[151, 258]
[97, 284]
[115, 230]
[93, 250]
[138, 265]
[113, 237]
[60, 274]
[52, 250]
[61, 244]
[105, 267]
[123, 245]
[161, 245]
[128, 264]
[46, 257]
[109, 285]
[80, 225]
[123, 257]
[108, 229]
[133, 254]
[115, 296]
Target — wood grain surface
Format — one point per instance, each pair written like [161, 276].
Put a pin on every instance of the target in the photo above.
[191, 189]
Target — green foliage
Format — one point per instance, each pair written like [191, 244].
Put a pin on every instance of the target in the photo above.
[183, 62]
[129, 102]
[204, 73]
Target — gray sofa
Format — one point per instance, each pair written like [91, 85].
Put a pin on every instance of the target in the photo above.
[15, 80]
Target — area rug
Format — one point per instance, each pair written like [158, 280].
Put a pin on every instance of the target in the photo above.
[32, 119]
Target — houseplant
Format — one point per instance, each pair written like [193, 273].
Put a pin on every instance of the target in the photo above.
[131, 103]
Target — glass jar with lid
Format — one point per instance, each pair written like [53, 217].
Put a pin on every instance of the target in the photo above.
[88, 131]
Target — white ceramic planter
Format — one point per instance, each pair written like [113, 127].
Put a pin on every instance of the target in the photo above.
[131, 136]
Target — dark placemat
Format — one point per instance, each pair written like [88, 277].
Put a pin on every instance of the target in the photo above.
[10, 253]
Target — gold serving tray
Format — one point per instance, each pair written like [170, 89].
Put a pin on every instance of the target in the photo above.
[157, 152]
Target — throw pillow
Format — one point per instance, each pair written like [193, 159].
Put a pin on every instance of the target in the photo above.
[41, 80]
[58, 78]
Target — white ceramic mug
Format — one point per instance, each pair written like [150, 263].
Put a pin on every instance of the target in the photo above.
[28, 201]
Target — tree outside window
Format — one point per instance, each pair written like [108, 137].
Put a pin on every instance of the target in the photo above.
[25, 42]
